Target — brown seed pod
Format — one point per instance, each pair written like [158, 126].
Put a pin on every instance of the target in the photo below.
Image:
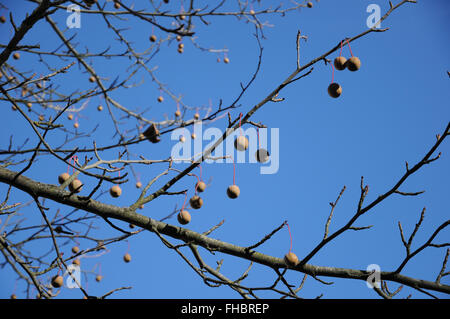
[57, 281]
[353, 64]
[180, 50]
[226, 60]
[116, 5]
[179, 38]
[14, 108]
[127, 258]
[182, 139]
[241, 143]
[115, 191]
[160, 99]
[100, 108]
[2, 19]
[76, 186]
[340, 63]
[262, 155]
[184, 217]
[16, 56]
[196, 202]
[334, 90]
[75, 249]
[138, 185]
[152, 133]
[177, 113]
[181, 45]
[196, 116]
[131, 226]
[153, 38]
[76, 125]
[76, 262]
[291, 259]
[29, 105]
[309, 4]
[200, 186]
[182, 17]
[252, 12]
[193, 136]
[70, 116]
[98, 278]
[63, 177]
[233, 191]
[13, 296]
[92, 79]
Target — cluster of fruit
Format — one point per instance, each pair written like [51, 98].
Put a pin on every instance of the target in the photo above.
[341, 63]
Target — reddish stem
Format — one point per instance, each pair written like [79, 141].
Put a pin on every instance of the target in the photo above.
[290, 236]
[350, 49]
[185, 197]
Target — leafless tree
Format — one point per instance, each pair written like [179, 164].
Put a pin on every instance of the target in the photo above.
[43, 105]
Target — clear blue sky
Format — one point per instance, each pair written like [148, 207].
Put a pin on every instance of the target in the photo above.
[389, 113]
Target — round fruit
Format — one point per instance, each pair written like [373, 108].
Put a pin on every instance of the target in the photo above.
[180, 50]
[193, 136]
[184, 217]
[160, 99]
[115, 191]
[41, 118]
[70, 116]
[340, 63]
[92, 79]
[226, 60]
[196, 202]
[241, 143]
[76, 262]
[178, 38]
[16, 56]
[196, 116]
[2, 19]
[233, 191]
[177, 113]
[153, 38]
[63, 177]
[76, 125]
[181, 45]
[182, 17]
[131, 226]
[262, 155]
[127, 258]
[252, 12]
[75, 249]
[138, 185]
[29, 105]
[182, 139]
[116, 5]
[57, 281]
[98, 278]
[291, 259]
[309, 4]
[76, 186]
[334, 90]
[13, 296]
[100, 108]
[353, 64]
[200, 186]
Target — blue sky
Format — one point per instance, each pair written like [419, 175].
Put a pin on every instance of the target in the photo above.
[389, 113]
